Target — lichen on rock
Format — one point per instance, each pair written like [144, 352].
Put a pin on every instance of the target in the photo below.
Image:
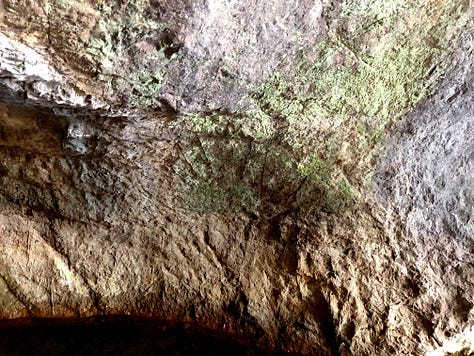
[296, 175]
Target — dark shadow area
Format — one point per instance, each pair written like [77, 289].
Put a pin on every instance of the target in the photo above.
[113, 336]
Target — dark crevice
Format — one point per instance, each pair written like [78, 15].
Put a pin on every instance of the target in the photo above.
[238, 310]
[321, 311]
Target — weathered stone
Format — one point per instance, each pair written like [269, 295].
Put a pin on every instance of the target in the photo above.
[145, 170]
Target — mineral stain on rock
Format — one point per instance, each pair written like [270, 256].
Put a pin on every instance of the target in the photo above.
[252, 176]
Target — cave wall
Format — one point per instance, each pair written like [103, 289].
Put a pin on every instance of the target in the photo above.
[364, 250]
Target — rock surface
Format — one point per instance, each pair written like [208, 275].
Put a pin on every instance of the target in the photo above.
[104, 106]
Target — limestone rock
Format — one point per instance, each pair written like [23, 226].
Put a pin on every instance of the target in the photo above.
[296, 174]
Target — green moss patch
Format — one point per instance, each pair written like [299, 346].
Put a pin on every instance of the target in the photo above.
[132, 50]
[309, 140]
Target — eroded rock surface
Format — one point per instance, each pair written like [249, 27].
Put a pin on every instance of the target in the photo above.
[96, 217]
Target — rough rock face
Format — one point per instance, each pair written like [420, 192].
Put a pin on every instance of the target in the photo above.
[158, 160]
[434, 189]
[221, 47]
